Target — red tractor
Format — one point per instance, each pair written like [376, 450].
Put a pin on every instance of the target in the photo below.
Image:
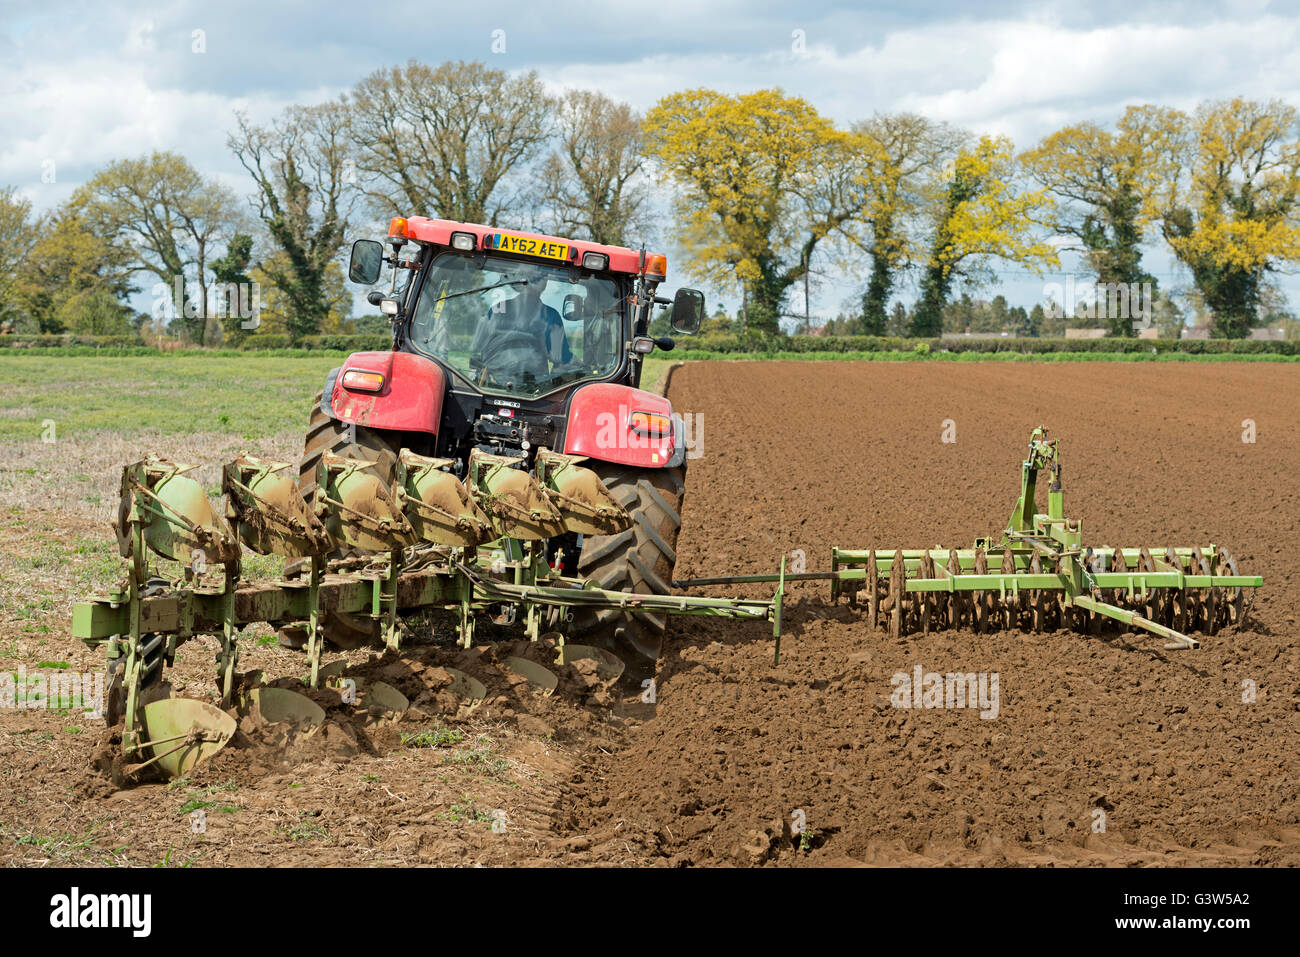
[510, 342]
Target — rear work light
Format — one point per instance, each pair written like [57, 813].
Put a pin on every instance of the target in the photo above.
[596, 261]
[651, 423]
[362, 380]
[463, 241]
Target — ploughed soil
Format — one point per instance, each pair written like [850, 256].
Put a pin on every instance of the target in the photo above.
[1099, 750]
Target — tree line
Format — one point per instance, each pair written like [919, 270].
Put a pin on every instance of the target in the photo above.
[767, 195]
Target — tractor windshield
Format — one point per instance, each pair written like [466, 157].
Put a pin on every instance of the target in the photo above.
[518, 328]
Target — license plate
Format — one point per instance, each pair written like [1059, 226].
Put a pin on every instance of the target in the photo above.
[525, 246]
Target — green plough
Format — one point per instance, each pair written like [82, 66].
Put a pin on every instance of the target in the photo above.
[380, 540]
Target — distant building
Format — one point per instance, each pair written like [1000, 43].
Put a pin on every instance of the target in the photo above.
[1085, 333]
[1268, 335]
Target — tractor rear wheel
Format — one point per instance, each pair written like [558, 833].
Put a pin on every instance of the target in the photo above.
[639, 559]
[326, 434]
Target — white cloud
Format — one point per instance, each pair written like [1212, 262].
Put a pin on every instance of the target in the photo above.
[125, 82]
[1019, 77]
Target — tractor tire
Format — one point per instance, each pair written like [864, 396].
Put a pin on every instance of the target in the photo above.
[325, 434]
[639, 559]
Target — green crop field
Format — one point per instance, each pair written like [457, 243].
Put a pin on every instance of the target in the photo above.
[244, 396]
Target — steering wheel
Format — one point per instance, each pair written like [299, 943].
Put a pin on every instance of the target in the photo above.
[509, 340]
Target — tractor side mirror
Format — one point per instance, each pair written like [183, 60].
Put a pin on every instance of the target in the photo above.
[688, 312]
[366, 262]
[572, 309]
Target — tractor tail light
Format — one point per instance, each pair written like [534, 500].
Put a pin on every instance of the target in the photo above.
[651, 423]
[360, 380]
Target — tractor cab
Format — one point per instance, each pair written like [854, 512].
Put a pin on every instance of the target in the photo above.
[516, 323]
[518, 328]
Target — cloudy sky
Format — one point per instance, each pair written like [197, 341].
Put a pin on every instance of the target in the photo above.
[84, 83]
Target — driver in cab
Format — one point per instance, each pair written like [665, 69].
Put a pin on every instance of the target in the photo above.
[518, 337]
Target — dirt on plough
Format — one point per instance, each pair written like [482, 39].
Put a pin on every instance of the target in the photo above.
[1101, 750]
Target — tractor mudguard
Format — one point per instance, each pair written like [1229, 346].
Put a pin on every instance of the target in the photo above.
[327, 393]
[601, 426]
[409, 399]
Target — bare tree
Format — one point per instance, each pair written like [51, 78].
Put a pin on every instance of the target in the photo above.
[303, 173]
[445, 141]
[593, 182]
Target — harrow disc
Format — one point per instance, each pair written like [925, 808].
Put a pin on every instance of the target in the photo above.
[1068, 615]
[897, 578]
[179, 733]
[958, 605]
[465, 686]
[609, 666]
[1039, 603]
[1207, 598]
[1233, 601]
[1157, 600]
[543, 679]
[924, 600]
[1118, 596]
[1179, 606]
[280, 704]
[383, 698]
[872, 585]
[982, 600]
[1009, 613]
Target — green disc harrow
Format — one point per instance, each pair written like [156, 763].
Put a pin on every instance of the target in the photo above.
[1038, 576]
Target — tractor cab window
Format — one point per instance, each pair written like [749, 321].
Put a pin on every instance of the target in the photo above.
[518, 328]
